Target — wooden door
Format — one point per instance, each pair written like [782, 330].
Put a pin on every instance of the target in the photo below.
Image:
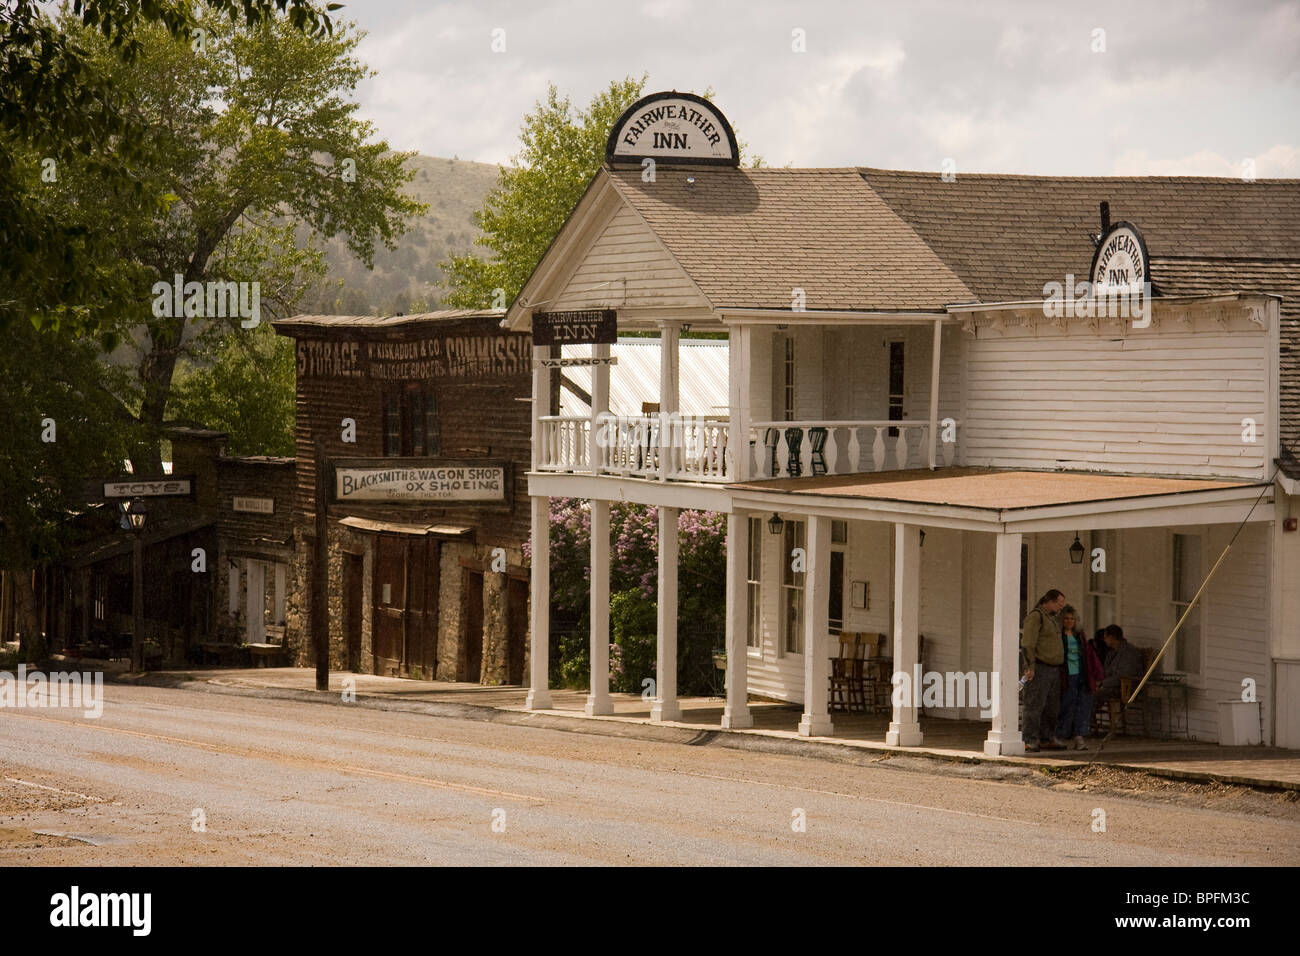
[389, 602]
[422, 609]
[472, 629]
[352, 600]
[516, 628]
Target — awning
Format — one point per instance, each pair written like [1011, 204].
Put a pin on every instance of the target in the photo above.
[995, 499]
[397, 527]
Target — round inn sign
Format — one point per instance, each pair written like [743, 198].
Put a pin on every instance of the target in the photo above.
[673, 128]
[1121, 261]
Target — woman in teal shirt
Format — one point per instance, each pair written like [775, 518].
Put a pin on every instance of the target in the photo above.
[1080, 674]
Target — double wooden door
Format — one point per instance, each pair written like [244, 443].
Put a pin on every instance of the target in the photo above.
[405, 605]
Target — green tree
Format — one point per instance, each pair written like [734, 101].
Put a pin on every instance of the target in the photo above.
[247, 389]
[562, 149]
[63, 428]
[251, 129]
[57, 113]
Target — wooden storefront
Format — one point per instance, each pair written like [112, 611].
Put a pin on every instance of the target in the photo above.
[412, 445]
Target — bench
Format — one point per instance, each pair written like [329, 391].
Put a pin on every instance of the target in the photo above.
[265, 655]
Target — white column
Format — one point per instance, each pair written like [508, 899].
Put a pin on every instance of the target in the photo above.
[1004, 733]
[737, 402]
[905, 728]
[934, 392]
[736, 715]
[598, 701]
[665, 706]
[541, 397]
[668, 396]
[816, 720]
[599, 405]
[539, 695]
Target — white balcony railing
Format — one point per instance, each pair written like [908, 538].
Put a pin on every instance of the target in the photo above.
[804, 449]
[669, 447]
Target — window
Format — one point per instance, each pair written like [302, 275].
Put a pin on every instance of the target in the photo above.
[839, 539]
[1103, 596]
[411, 423]
[896, 392]
[754, 575]
[99, 603]
[789, 378]
[792, 588]
[1185, 580]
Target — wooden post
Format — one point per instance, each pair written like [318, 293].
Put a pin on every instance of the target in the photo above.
[736, 715]
[816, 721]
[666, 706]
[137, 603]
[934, 392]
[320, 602]
[1004, 731]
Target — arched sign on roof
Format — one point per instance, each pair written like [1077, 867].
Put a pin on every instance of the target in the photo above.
[1121, 261]
[673, 128]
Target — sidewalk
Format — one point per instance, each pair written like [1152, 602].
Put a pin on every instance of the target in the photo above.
[775, 725]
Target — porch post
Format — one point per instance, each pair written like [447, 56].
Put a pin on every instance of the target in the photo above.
[598, 701]
[737, 407]
[539, 606]
[1004, 733]
[668, 398]
[736, 716]
[665, 706]
[816, 720]
[597, 438]
[905, 728]
[934, 392]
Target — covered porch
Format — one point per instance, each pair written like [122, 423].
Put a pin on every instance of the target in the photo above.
[996, 539]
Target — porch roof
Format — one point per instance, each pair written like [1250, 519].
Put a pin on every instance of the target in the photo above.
[998, 496]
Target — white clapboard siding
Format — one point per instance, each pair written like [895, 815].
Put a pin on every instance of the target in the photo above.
[941, 610]
[625, 250]
[1234, 620]
[1167, 403]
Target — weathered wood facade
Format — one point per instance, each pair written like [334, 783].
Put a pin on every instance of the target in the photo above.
[414, 585]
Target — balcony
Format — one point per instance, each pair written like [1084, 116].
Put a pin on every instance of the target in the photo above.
[662, 447]
[667, 447]
[804, 449]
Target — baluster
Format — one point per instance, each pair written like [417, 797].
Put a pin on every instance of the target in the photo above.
[782, 456]
[805, 454]
[878, 449]
[900, 449]
[855, 450]
[831, 452]
[949, 452]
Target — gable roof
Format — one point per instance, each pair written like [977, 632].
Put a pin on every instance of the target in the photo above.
[750, 237]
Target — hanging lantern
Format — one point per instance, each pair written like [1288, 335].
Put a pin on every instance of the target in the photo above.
[775, 524]
[1076, 551]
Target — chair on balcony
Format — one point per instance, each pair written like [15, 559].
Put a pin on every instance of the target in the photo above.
[817, 444]
[794, 439]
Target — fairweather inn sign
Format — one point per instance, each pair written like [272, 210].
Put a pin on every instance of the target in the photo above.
[423, 481]
[673, 128]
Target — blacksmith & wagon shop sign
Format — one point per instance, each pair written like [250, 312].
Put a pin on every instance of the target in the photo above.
[427, 481]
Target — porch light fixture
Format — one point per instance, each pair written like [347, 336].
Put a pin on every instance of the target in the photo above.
[1076, 550]
[775, 524]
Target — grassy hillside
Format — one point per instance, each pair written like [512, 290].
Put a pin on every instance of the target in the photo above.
[404, 280]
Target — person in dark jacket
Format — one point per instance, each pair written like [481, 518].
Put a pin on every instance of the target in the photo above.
[1122, 660]
[1080, 676]
[1040, 646]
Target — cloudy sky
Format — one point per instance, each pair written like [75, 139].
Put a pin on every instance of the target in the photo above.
[996, 85]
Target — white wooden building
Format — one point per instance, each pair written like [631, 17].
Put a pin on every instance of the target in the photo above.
[971, 430]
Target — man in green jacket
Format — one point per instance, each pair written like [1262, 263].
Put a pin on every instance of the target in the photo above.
[1040, 643]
